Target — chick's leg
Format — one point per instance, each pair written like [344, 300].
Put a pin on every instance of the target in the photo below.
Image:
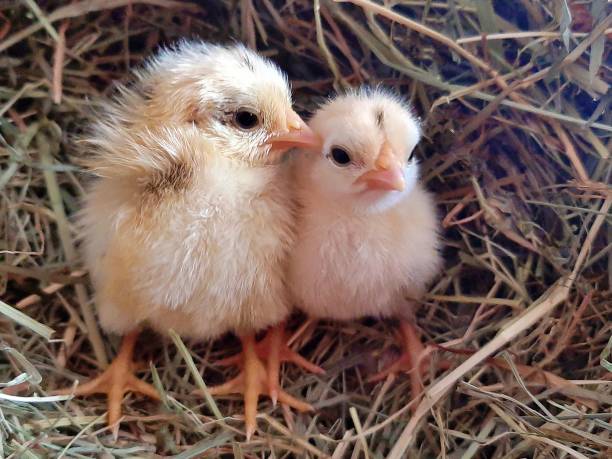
[117, 379]
[251, 382]
[413, 361]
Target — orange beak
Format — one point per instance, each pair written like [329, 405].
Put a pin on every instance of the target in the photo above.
[387, 173]
[297, 135]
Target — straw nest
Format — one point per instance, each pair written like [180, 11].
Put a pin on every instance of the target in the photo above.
[515, 99]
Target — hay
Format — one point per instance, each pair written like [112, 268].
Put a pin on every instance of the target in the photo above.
[515, 99]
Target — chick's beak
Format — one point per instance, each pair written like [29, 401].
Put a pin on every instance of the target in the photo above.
[387, 173]
[298, 134]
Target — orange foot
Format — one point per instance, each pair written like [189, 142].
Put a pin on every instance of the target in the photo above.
[275, 350]
[411, 357]
[116, 380]
[252, 381]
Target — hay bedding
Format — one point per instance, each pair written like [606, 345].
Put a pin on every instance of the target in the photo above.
[515, 97]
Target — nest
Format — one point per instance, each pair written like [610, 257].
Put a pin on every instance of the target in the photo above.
[515, 98]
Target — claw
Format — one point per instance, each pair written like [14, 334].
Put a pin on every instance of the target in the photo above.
[274, 397]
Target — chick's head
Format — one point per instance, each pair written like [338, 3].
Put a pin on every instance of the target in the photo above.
[234, 96]
[367, 141]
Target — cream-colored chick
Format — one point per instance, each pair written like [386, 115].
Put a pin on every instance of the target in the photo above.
[367, 232]
[189, 222]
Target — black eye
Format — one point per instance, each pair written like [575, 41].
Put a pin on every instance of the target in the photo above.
[245, 119]
[340, 156]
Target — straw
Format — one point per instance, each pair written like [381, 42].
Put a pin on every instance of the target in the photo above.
[514, 100]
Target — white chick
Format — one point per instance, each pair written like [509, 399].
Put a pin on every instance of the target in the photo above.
[367, 231]
[189, 223]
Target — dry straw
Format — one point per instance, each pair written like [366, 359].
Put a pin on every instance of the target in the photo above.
[515, 100]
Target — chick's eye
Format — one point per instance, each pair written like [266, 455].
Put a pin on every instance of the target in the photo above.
[340, 156]
[245, 119]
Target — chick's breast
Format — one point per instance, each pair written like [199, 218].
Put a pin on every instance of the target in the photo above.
[204, 257]
[347, 265]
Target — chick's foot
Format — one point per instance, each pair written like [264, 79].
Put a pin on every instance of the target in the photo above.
[412, 361]
[275, 350]
[117, 379]
[252, 381]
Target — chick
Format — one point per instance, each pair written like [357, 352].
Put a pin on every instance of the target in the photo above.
[367, 231]
[189, 222]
